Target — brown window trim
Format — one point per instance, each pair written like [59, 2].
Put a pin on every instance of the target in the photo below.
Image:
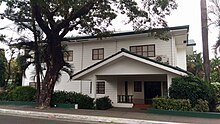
[99, 54]
[145, 51]
[137, 86]
[100, 87]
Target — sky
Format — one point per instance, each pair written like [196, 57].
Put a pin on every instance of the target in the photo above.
[187, 13]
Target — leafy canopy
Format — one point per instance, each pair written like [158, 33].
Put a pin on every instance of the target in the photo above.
[87, 16]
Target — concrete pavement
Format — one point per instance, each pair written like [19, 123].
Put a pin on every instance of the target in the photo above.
[115, 115]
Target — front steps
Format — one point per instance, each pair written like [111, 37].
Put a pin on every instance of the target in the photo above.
[142, 106]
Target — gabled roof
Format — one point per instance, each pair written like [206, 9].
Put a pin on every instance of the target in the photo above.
[125, 52]
[127, 33]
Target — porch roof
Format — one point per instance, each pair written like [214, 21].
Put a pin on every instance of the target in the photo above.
[126, 53]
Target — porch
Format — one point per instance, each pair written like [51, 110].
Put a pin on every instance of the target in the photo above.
[130, 90]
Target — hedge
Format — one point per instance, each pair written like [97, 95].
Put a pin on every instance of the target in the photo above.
[83, 101]
[172, 104]
[103, 103]
[23, 93]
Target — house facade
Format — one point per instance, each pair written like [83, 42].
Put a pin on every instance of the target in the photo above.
[130, 67]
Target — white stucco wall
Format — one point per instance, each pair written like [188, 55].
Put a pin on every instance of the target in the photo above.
[181, 58]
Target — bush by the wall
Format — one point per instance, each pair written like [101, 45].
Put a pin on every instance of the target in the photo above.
[83, 101]
[193, 88]
[172, 104]
[5, 96]
[60, 97]
[103, 103]
[201, 106]
[23, 93]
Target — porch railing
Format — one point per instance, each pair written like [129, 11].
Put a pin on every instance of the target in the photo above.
[125, 98]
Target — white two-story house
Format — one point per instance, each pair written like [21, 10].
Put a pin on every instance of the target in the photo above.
[129, 67]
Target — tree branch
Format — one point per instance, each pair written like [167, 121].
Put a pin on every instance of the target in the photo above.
[39, 19]
[67, 29]
[74, 15]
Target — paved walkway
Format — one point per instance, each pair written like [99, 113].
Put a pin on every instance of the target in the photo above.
[116, 115]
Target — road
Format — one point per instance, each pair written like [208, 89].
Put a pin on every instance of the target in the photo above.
[6, 119]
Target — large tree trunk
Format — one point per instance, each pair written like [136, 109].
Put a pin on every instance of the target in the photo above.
[205, 40]
[54, 61]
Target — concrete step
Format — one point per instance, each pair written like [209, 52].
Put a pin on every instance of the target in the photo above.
[142, 106]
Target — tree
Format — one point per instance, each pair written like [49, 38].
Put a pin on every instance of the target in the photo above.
[193, 88]
[195, 64]
[3, 63]
[205, 39]
[215, 69]
[58, 17]
[214, 18]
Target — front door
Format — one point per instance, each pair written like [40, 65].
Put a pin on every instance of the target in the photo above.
[151, 90]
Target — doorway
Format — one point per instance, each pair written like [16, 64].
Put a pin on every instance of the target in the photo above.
[151, 90]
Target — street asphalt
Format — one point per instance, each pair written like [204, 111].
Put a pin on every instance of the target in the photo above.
[7, 119]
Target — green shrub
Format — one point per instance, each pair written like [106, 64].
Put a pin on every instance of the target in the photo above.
[5, 96]
[23, 93]
[172, 104]
[103, 103]
[218, 108]
[83, 101]
[193, 88]
[201, 106]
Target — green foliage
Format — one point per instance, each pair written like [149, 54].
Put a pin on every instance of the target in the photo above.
[83, 101]
[193, 88]
[5, 96]
[23, 93]
[216, 85]
[195, 64]
[103, 103]
[3, 64]
[215, 69]
[172, 104]
[218, 108]
[87, 16]
[201, 106]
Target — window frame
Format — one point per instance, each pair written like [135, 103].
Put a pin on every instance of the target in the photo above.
[100, 55]
[137, 86]
[69, 57]
[142, 50]
[100, 87]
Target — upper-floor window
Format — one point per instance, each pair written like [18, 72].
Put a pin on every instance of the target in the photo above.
[98, 54]
[68, 55]
[144, 50]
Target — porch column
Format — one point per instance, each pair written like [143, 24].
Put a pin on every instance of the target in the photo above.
[169, 81]
[94, 87]
[80, 86]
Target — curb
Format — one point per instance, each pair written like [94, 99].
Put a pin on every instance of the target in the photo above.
[80, 117]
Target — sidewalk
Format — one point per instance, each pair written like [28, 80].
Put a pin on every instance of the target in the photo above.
[115, 115]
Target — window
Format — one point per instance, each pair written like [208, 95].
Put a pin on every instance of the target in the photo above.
[100, 87]
[68, 55]
[33, 84]
[98, 54]
[137, 86]
[90, 87]
[144, 50]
